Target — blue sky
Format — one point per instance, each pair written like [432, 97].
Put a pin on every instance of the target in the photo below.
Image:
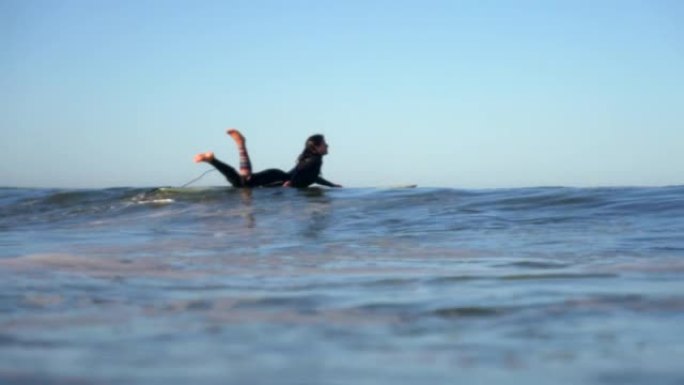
[471, 94]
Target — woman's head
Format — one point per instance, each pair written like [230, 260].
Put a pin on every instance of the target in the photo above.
[316, 144]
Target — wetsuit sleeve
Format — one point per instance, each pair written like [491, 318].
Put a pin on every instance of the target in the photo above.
[324, 182]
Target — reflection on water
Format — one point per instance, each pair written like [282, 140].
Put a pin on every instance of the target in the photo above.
[318, 210]
[246, 195]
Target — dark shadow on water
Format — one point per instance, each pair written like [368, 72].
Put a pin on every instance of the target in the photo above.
[308, 210]
[317, 210]
[247, 198]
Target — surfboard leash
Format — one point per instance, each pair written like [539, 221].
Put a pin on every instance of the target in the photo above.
[198, 178]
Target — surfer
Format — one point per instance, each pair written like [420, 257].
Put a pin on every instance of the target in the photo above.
[306, 172]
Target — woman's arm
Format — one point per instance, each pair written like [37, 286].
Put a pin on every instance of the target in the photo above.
[324, 182]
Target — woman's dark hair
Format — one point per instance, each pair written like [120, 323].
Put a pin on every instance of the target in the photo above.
[310, 146]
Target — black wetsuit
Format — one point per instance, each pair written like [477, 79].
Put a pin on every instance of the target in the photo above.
[304, 174]
[308, 172]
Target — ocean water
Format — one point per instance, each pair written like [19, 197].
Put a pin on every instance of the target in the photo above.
[342, 286]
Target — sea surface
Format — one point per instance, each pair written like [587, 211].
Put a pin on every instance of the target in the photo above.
[342, 286]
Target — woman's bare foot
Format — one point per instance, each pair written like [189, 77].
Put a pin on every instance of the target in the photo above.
[204, 157]
[237, 137]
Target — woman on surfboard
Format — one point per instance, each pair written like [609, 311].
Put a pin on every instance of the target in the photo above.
[305, 173]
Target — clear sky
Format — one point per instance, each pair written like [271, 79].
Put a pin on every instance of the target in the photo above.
[471, 94]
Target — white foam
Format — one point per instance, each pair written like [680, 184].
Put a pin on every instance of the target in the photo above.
[157, 201]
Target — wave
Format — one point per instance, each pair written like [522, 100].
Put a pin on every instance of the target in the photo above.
[399, 210]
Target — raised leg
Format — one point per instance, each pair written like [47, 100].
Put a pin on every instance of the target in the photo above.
[229, 172]
[245, 164]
